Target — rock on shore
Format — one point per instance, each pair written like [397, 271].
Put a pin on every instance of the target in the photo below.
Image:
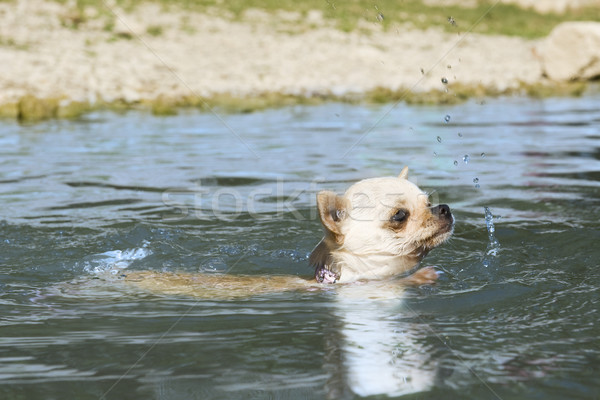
[572, 51]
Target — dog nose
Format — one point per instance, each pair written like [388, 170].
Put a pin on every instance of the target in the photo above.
[443, 210]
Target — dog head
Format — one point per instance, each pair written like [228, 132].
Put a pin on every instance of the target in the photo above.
[379, 228]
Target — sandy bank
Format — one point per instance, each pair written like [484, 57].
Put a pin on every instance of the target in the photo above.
[52, 52]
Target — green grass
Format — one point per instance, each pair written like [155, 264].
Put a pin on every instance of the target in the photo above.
[31, 109]
[504, 19]
[154, 30]
[10, 42]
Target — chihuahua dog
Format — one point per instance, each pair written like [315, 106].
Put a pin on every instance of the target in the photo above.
[379, 229]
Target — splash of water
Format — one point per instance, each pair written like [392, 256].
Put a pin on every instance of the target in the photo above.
[114, 261]
[493, 244]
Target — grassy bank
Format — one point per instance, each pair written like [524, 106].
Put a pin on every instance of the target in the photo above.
[280, 16]
[480, 16]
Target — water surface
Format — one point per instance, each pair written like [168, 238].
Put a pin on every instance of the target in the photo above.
[113, 192]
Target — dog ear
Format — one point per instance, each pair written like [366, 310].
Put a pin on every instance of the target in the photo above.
[332, 211]
[403, 173]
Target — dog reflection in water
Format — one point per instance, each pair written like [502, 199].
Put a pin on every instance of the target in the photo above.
[378, 231]
[380, 354]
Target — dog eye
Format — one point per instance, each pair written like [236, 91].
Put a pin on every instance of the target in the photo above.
[400, 216]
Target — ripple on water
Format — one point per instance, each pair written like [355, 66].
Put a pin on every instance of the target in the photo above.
[517, 303]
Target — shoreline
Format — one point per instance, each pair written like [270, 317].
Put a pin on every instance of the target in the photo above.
[149, 58]
[30, 108]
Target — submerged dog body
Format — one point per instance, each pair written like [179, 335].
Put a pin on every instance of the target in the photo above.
[380, 228]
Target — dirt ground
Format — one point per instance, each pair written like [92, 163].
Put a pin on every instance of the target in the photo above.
[51, 51]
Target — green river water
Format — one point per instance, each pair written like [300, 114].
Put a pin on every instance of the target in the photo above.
[515, 314]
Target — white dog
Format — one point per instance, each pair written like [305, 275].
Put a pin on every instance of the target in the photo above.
[380, 228]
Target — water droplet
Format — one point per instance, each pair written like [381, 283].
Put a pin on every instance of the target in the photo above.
[459, 134]
[455, 163]
[466, 158]
[482, 155]
[489, 221]
[379, 17]
[439, 139]
[447, 118]
[494, 245]
[444, 81]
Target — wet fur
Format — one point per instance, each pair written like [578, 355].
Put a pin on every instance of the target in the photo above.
[365, 239]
